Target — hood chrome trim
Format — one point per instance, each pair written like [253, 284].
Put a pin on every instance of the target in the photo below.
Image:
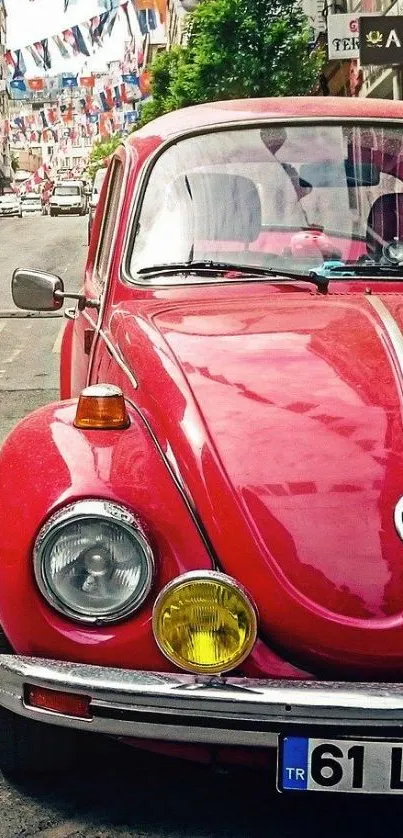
[395, 336]
[391, 326]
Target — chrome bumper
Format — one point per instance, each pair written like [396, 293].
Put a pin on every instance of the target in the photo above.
[187, 708]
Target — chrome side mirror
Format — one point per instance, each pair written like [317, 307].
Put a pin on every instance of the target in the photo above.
[36, 290]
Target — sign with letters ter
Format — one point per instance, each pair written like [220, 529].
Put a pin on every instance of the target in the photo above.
[381, 40]
[342, 36]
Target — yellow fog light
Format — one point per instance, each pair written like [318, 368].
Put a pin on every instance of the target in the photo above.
[204, 622]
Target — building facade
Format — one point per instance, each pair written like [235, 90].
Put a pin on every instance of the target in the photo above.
[343, 75]
[177, 12]
[381, 82]
[5, 160]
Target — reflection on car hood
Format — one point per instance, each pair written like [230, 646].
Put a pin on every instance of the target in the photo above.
[285, 417]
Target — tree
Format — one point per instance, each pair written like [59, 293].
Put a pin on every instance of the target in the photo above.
[164, 72]
[236, 49]
[100, 151]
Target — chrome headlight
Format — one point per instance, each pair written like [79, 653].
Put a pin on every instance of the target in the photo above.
[93, 563]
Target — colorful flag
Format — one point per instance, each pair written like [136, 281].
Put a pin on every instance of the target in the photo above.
[117, 97]
[36, 83]
[125, 9]
[152, 19]
[80, 43]
[87, 81]
[20, 66]
[42, 48]
[108, 5]
[104, 102]
[58, 40]
[123, 94]
[109, 97]
[69, 39]
[9, 59]
[97, 26]
[20, 122]
[142, 21]
[111, 22]
[34, 55]
[145, 83]
[18, 84]
[130, 78]
[69, 81]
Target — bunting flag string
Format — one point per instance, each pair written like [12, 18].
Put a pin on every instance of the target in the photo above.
[85, 38]
[81, 107]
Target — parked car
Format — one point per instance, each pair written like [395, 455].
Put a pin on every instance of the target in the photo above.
[208, 526]
[68, 197]
[9, 204]
[94, 199]
[31, 204]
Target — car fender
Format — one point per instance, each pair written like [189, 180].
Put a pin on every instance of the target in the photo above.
[46, 463]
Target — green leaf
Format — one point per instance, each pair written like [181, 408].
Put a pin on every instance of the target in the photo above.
[236, 49]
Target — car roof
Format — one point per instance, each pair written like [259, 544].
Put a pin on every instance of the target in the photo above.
[245, 110]
[69, 183]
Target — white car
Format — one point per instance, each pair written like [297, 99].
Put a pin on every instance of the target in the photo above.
[68, 197]
[30, 204]
[9, 205]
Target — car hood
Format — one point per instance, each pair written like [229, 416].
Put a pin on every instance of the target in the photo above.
[284, 417]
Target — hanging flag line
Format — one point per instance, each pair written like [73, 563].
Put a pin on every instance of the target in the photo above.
[88, 35]
[86, 106]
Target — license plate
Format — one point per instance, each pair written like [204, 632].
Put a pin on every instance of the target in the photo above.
[344, 765]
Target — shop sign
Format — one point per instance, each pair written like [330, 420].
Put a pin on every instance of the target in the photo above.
[342, 36]
[381, 40]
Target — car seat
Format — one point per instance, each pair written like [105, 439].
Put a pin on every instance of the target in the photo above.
[223, 208]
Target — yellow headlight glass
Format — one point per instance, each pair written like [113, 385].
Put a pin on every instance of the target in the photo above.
[205, 624]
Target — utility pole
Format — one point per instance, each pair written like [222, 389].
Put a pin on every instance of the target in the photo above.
[397, 83]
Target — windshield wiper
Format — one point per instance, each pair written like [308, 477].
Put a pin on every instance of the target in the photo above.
[210, 267]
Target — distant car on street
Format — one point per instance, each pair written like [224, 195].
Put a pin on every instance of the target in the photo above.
[9, 205]
[95, 195]
[201, 542]
[68, 197]
[31, 204]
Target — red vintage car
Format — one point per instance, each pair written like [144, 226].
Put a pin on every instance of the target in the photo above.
[202, 542]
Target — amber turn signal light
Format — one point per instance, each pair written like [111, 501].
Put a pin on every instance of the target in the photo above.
[101, 407]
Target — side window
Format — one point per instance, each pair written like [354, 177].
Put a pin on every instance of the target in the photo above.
[108, 225]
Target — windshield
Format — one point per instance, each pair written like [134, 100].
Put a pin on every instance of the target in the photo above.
[290, 197]
[67, 190]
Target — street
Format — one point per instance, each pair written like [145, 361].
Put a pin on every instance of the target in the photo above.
[29, 348]
[120, 791]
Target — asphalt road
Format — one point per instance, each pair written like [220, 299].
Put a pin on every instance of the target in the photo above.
[29, 348]
[119, 791]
